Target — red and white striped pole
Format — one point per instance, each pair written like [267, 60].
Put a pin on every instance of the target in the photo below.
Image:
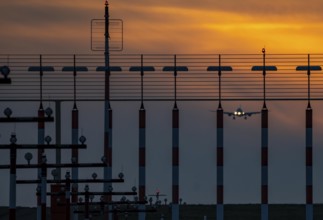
[220, 144]
[219, 153]
[264, 163]
[264, 139]
[309, 150]
[175, 159]
[309, 163]
[75, 135]
[107, 113]
[12, 186]
[87, 203]
[142, 147]
[41, 139]
[142, 136]
[309, 141]
[175, 141]
[219, 164]
[142, 158]
[75, 128]
[68, 196]
[75, 157]
[264, 147]
[43, 187]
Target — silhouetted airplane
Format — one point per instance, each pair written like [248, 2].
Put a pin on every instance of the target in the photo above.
[240, 113]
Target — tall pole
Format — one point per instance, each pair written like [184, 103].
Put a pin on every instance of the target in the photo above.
[87, 203]
[58, 126]
[220, 160]
[12, 186]
[142, 147]
[264, 148]
[68, 196]
[107, 112]
[41, 137]
[175, 157]
[75, 134]
[43, 187]
[309, 151]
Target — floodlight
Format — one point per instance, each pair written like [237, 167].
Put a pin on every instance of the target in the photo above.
[175, 68]
[141, 68]
[82, 139]
[48, 139]
[94, 176]
[262, 68]
[48, 112]
[28, 157]
[74, 68]
[307, 68]
[7, 112]
[41, 68]
[5, 71]
[108, 68]
[54, 173]
[219, 68]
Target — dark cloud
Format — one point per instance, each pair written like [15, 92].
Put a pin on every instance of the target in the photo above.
[161, 25]
[310, 8]
[34, 15]
[39, 26]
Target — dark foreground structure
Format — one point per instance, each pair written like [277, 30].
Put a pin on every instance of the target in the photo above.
[197, 212]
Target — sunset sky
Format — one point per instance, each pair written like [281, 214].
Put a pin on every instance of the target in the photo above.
[179, 27]
[171, 26]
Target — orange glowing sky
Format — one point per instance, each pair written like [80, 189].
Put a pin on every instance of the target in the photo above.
[184, 26]
[170, 26]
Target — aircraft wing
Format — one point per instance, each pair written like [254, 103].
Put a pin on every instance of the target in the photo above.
[252, 113]
[228, 113]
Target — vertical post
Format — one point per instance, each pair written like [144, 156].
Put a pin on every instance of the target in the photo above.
[68, 196]
[115, 214]
[264, 148]
[309, 140]
[220, 144]
[12, 186]
[43, 187]
[142, 148]
[87, 202]
[102, 207]
[220, 159]
[107, 112]
[175, 137]
[309, 152]
[107, 34]
[309, 169]
[75, 134]
[264, 164]
[41, 137]
[58, 135]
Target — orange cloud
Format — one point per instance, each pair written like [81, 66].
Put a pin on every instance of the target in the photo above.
[200, 31]
[173, 26]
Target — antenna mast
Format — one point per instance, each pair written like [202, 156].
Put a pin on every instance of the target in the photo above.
[107, 51]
